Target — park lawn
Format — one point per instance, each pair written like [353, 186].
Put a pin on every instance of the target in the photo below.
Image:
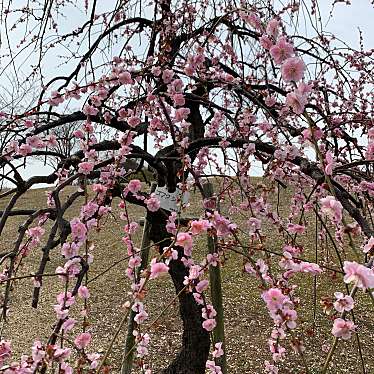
[247, 323]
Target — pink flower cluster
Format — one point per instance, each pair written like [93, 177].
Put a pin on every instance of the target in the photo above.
[213, 368]
[184, 240]
[222, 225]
[298, 98]
[293, 69]
[293, 266]
[343, 329]
[141, 315]
[153, 203]
[48, 357]
[332, 208]
[360, 275]
[5, 351]
[158, 269]
[343, 303]
[209, 315]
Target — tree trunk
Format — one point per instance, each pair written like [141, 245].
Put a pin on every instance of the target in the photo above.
[195, 341]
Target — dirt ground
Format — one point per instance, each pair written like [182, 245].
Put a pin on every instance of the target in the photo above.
[247, 324]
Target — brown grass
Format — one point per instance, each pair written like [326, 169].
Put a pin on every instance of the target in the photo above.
[246, 320]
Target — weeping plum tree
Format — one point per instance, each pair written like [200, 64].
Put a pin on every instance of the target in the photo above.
[191, 89]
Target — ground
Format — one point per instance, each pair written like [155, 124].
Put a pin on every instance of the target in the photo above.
[247, 324]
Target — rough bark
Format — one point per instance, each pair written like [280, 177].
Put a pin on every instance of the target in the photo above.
[192, 357]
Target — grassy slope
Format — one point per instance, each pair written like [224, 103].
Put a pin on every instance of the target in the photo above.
[247, 327]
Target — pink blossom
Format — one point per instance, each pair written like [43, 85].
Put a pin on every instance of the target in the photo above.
[51, 140]
[178, 99]
[78, 229]
[38, 352]
[360, 275]
[5, 351]
[29, 123]
[195, 271]
[332, 208]
[212, 259]
[35, 142]
[369, 154]
[61, 311]
[156, 71]
[274, 299]
[198, 298]
[176, 86]
[185, 240]
[270, 368]
[309, 267]
[223, 226]
[269, 101]
[56, 98]
[94, 358]
[329, 163]
[218, 351]
[158, 269]
[72, 267]
[69, 324]
[296, 102]
[369, 245]
[292, 69]
[99, 188]
[181, 114]
[266, 42]
[78, 134]
[343, 329]
[69, 250]
[317, 133]
[82, 340]
[25, 149]
[134, 186]
[90, 110]
[304, 89]
[343, 302]
[83, 292]
[61, 354]
[289, 316]
[133, 121]
[141, 317]
[295, 229]
[200, 226]
[66, 368]
[170, 225]
[131, 228]
[36, 232]
[153, 203]
[202, 286]
[254, 224]
[167, 75]
[252, 18]
[272, 28]
[212, 367]
[135, 261]
[85, 167]
[125, 78]
[281, 51]
[209, 324]
[65, 299]
[189, 70]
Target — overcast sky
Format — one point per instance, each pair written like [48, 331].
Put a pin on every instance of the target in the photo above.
[345, 24]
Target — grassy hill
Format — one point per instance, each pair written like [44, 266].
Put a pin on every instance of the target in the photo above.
[247, 321]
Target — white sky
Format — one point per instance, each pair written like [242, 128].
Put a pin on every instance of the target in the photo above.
[346, 22]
